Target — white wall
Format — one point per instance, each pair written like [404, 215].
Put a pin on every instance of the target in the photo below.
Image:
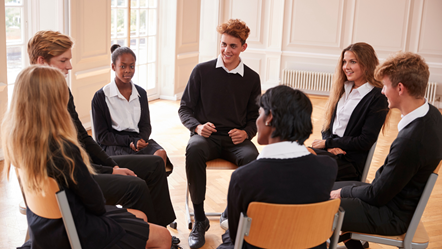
[310, 34]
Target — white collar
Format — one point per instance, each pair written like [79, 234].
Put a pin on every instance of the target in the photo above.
[114, 92]
[283, 150]
[416, 113]
[363, 90]
[239, 69]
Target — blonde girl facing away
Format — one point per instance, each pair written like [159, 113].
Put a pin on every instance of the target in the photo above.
[39, 138]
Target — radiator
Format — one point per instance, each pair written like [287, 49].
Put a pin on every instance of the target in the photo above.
[320, 83]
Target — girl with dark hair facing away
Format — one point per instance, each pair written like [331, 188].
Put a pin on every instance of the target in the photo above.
[285, 172]
[355, 112]
[38, 112]
[121, 112]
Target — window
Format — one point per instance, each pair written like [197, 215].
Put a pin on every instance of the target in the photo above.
[15, 37]
[143, 37]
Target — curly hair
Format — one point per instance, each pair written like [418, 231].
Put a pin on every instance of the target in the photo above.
[48, 44]
[407, 68]
[291, 110]
[235, 28]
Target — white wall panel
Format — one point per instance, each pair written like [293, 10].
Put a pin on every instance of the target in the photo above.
[382, 24]
[91, 54]
[316, 23]
[254, 17]
[430, 39]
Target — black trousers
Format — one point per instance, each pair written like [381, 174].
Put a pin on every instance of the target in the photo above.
[148, 192]
[365, 218]
[199, 150]
[346, 170]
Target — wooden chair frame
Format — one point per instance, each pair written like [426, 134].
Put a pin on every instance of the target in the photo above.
[290, 226]
[54, 205]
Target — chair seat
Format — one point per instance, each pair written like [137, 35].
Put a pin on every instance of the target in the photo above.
[420, 237]
[220, 164]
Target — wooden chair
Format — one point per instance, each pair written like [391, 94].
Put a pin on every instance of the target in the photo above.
[290, 226]
[53, 205]
[216, 164]
[368, 162]
[416, 235]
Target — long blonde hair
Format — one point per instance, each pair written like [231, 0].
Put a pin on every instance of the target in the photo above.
[366, 57]
[37, 122]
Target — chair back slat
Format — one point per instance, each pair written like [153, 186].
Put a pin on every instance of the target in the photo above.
[291, 226]
[44, 206]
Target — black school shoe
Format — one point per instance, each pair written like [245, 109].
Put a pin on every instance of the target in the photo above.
[175, 242]
[197, 235]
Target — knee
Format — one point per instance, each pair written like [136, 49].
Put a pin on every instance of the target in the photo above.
[161, 153]
[249, 157]
[136, 186]
[195, 151]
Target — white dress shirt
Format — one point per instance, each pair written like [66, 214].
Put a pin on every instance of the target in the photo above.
[125, 114]
[410, 117]
[239, 69]
[283, 150]
[346, 105]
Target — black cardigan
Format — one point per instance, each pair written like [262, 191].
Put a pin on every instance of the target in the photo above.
[106, 135]
[414, 155]
[362, 129]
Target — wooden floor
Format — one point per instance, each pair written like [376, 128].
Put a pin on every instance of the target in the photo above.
[171, 134]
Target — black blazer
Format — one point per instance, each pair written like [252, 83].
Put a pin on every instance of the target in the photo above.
[362, 129]
[96, 154]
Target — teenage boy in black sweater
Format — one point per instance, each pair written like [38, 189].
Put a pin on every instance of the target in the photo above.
[219, 108]
[386, 206]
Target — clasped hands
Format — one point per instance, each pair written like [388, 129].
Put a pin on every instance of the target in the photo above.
[205, 130]
[320, 144]
[141, 144]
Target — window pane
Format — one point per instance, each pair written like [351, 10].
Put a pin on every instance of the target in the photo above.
[113, 24]
[133, 46]
[152, 3]
[143, 3]
[142, 80]
[13, 23]
[142, 55]
[151, 53]
[122, 3]
[113, 3]
[121, 22]
[13, 2]
[143, 21]
[15, 62]
[133, 22]
[152, 30]
[134, 3]
[122, 42]
[151, 76]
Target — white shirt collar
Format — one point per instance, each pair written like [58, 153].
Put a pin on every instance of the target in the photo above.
[114, 92]
[283, 150]
[239, 69]
[363, 90]
[410, 117]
